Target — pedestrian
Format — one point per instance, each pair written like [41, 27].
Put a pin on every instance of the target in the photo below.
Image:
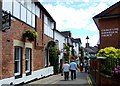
[73, 67]
[86, 65]
[66, 68]
[61, 67]
[81, 67]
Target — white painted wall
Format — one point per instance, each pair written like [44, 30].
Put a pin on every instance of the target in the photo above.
[61, 40]
[35, 75]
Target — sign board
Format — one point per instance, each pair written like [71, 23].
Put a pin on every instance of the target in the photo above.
[109, 32]
[6, 21]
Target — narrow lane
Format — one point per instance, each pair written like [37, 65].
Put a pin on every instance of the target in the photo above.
[81, 79]
[56, 80]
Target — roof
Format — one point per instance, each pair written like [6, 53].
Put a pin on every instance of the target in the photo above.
[103, 13]
[76, 40]
[66, 33]
[91, 50]
[58, 32]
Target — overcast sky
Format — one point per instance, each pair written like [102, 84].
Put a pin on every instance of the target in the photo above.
[76, 16]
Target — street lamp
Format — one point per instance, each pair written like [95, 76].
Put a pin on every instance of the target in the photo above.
[87, 38]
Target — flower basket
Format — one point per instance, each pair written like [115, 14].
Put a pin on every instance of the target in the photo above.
[31, 35]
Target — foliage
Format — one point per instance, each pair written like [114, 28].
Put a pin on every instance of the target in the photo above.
[110, 55]
[30, 34]
[108, 52]
[51, 44]
[116, 72]
[66, 53]
[53, 56]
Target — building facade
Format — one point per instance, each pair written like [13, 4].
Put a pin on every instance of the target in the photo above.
[22, 60]
[60, 40]
[108, 23]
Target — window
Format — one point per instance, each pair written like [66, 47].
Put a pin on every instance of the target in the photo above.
[46, 57]
[16, 9]
[7, 5]
[33, 20]
[33, 7]
[29, 17]
[18, 62]
[23, 13]
[28, 61]
[57, 43]
[37, 10]
[29, 5]
[47, 26]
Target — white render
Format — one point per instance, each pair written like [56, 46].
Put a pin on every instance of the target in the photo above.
[61, 40]
[35, 75]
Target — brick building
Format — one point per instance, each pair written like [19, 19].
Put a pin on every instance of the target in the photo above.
[108, 23]
[21, 60]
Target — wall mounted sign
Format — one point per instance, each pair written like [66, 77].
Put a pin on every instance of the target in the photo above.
[109, 32]
[6, 20]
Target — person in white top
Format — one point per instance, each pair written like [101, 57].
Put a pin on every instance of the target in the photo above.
[66, 68]
[73, 67]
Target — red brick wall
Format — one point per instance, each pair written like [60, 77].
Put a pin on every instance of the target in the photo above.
[15, 32]
[113, 40]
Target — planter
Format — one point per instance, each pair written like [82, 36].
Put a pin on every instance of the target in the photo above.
[30, 35]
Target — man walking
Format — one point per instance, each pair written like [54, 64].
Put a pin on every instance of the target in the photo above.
[73, 67]
[66, 68]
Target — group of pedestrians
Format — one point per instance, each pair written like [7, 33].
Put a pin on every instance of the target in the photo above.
[69, 67]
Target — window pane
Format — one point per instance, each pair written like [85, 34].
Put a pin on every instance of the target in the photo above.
[7, 5]
[29, 5]
[23, 13]
[16, 9]
[29, 17]
[28, 56]
[33, 20]
[27, 65]
[27, 53]
[37, 11]
[17, 53]
[18, 56]
[17, 67]
[33, 7]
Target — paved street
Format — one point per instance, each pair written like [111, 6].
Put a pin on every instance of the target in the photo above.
[82, 79]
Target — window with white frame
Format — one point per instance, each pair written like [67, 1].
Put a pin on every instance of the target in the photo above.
[22, 9]
[46, 57]
[48, 26]
[16, 9]
[37, 11]
[28, 60]
[29, 17]
[18, 62]
[23, 14]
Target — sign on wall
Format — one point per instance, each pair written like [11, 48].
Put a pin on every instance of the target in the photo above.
[109, 32]
[6, 21]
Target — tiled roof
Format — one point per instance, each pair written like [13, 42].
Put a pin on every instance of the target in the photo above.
[66, 33]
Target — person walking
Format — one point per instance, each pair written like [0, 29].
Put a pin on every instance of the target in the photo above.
[73, 67]
[66, 68]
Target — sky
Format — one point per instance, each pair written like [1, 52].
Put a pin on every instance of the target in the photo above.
[77, 16]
